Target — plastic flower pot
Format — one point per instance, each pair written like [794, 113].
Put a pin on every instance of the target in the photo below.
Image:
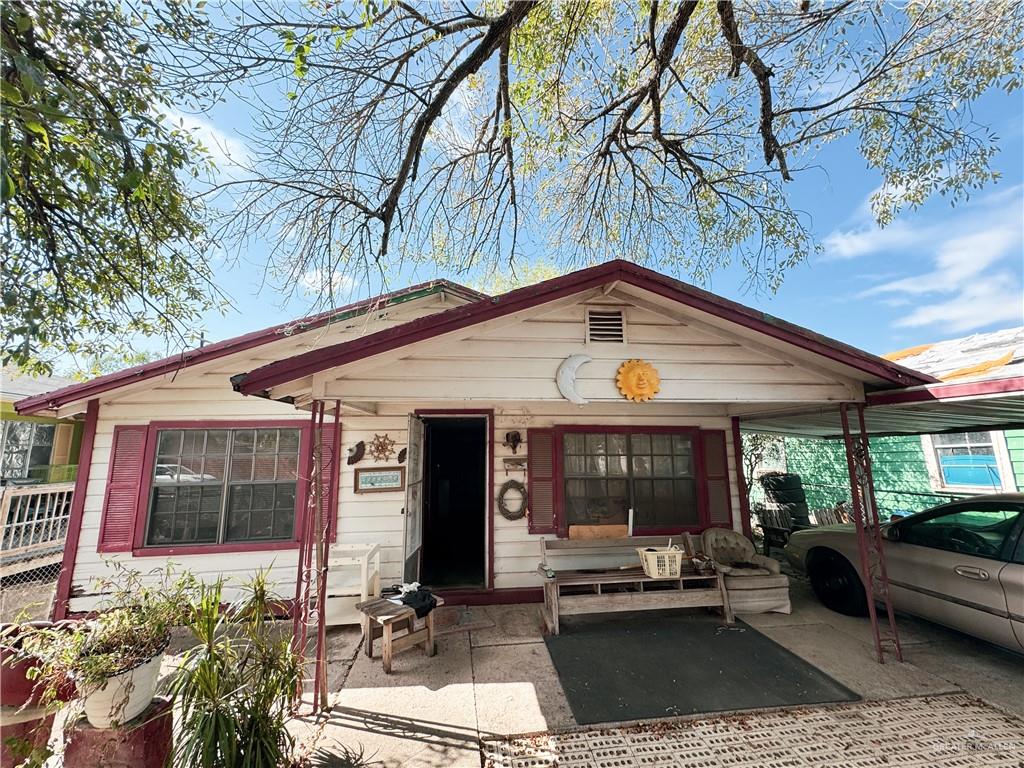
[17, 687]
[124, 696]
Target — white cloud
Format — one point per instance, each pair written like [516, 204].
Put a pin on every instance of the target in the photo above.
[983, 302]
[323, 283]
[969, 285]
[868, 238]
[226, 151]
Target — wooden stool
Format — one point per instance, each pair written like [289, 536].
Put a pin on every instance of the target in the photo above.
[381, 618]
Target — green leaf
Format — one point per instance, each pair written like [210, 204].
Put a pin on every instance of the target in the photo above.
[7, 188]
[39, 130]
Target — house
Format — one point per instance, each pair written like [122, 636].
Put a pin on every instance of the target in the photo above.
[613, 396]
[913, 472]
[35, 448]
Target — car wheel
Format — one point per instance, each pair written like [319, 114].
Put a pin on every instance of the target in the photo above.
[836, 583]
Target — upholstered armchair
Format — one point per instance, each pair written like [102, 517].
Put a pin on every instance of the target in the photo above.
[754, 582]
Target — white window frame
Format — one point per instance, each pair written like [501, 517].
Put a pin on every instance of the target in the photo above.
[1003, 465]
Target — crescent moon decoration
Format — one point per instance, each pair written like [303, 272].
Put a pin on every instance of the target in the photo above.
[565, 378]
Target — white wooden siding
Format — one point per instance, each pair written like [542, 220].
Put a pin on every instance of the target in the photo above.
[507, 365]
[515, 359]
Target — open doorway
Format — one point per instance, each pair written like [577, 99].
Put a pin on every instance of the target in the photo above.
[455, 503]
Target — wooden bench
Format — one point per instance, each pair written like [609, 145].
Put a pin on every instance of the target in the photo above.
[610, 570]
[382, 618]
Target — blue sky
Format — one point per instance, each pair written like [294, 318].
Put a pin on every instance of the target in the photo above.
[935, 273]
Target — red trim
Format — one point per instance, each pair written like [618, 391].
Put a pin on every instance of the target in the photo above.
[488, 414]
[1012, 385]
[741, 479]
[262, 379]
[71, 541]
[146, 487]
[560, 430]
[101, 384]
[506, 596]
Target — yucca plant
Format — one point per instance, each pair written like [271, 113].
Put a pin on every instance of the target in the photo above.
[234, 689]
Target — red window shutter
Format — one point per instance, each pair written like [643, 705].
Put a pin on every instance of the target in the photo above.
[124, 480]
[540, 480]
[330, 439]
[716, 477]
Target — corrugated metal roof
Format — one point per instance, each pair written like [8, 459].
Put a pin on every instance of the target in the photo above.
[981, 356]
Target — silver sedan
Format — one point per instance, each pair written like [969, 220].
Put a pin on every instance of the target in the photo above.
[959, 564]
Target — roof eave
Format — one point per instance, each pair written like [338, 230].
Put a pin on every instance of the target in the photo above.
[51, 401]
[263, 379]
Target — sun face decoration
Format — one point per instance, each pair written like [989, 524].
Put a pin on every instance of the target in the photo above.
[638, 380]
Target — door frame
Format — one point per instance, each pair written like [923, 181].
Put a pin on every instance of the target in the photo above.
[488, 415]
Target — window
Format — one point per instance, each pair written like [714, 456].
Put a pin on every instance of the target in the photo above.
[607, 473]
[967, 530]
[26, 448]
[222, 485]
[966, 459]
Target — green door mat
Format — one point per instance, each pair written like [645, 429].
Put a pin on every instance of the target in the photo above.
[666, 664]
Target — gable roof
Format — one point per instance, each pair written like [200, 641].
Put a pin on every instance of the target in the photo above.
[260, 380]
[102, 384]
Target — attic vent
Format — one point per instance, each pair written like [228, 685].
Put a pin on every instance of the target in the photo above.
[605, 325]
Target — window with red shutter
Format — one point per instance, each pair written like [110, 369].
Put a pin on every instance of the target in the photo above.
[120, 504]
[716, 477]
[540, 480]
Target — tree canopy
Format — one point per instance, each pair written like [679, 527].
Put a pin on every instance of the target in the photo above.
[473, 134]
[102, 238]
[470, 136]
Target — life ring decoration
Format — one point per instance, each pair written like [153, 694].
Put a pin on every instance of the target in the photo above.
[516, 510]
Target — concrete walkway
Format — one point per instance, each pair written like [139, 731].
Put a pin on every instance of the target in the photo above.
[493, 679]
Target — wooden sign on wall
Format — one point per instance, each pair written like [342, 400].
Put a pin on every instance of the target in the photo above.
[379, 479]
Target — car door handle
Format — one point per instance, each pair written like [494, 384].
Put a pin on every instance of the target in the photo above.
[969, 572]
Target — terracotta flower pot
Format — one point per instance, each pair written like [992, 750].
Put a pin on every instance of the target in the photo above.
[17, 688]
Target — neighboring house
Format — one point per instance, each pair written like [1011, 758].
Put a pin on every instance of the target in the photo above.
[204, 459]
[912, 472]
[35, 448]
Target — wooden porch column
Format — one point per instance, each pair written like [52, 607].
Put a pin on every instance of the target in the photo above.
[741, 480]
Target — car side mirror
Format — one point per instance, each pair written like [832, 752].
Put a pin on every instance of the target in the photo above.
[893, 533]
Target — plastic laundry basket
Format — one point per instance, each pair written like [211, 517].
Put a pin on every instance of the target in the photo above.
[662, 562]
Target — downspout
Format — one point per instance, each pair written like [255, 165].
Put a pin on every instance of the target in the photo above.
[62, 597]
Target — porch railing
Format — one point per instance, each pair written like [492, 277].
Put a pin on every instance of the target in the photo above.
[33, 525]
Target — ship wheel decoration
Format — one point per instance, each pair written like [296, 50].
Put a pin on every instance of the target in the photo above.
[381, 448]
[638, 380]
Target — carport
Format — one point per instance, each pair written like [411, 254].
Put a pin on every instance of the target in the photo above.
[992, 403]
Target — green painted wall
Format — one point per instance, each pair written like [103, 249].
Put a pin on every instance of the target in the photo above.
[1015, 447]
[897, 464]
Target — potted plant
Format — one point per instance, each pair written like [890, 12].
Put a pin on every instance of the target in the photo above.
[235, 688]
[114, 657]
[27, 723]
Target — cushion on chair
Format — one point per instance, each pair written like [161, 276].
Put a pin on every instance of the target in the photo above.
[727, 547]
[761, 582]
